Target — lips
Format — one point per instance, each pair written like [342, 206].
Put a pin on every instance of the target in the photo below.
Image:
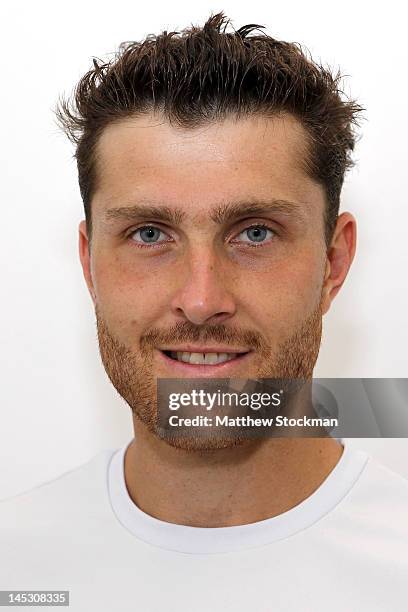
[226, 362]
[201, 358]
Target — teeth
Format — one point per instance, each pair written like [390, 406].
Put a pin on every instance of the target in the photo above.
[203, 358]
[211, 358]
[194, 357]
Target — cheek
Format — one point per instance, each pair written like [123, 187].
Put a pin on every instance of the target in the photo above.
[282, 296]
[128, 293]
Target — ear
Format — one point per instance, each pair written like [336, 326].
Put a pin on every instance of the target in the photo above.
[340, 255]
[85, 257]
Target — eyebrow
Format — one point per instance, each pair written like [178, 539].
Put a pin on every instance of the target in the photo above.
[220, 214]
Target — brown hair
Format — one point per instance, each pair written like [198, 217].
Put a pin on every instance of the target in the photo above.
[204, 74]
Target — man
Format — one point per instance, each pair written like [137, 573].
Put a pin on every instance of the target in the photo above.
[210, 166]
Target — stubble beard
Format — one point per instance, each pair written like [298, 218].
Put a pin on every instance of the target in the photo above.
[132, 373]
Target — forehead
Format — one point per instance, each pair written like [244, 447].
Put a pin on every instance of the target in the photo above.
[146, 158]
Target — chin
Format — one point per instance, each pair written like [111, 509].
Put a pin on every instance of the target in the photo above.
[205, 443]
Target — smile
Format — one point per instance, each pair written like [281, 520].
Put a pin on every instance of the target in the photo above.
[201, 358]
[194, 362]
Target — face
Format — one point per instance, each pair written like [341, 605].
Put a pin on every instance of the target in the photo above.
[208, 246]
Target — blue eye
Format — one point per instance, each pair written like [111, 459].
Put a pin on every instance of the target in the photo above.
[256, 233]
[148, 234]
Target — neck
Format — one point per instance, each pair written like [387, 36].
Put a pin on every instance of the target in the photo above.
[227, 487]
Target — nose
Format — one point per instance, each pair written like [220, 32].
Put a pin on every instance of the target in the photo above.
[202, 295]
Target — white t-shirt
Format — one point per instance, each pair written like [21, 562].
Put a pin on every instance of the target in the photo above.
[344, 548]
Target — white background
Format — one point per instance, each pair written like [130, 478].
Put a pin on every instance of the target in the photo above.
[58, 407]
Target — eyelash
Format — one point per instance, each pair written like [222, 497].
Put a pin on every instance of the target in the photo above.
[160, 244]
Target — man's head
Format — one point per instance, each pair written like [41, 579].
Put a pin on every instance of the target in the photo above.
[210, 166]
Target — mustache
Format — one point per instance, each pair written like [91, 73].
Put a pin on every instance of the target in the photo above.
[184, 331]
